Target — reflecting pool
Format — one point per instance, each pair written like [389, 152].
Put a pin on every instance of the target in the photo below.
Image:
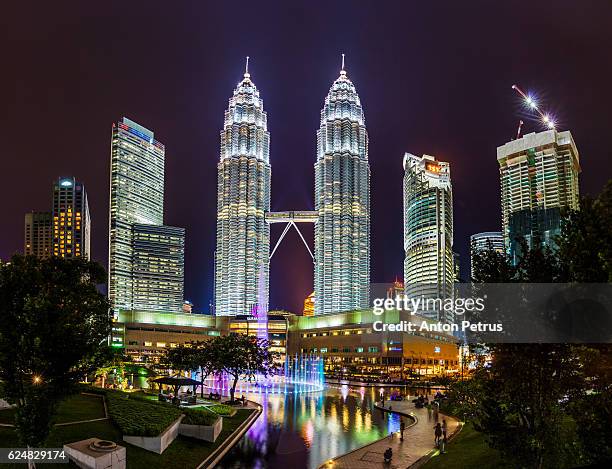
[302, 431]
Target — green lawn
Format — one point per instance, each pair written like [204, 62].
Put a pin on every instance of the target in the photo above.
[467, 449]
[183, 453]
[74, 409]
[80, 407]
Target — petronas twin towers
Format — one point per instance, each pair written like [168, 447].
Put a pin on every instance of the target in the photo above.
[342, 203]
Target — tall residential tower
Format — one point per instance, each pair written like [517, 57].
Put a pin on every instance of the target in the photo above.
[342, 199]
[71, 220]
[428, 230]
[243, 198]
[539, 180]
[38, 235]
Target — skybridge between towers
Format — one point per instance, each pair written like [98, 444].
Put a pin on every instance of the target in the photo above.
[291, 218]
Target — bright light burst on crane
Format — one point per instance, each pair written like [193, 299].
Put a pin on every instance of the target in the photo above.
[531, 103]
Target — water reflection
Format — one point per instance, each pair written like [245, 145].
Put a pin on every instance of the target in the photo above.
[303, 431]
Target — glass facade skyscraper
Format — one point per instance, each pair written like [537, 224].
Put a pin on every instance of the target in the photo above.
[342, 199]
[158, 267]
[71, 220]
[243, 198]
[539, 180]
[485, 241]
[428, 231]
[136, 197]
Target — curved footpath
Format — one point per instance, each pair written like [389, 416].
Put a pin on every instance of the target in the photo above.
[417, 447]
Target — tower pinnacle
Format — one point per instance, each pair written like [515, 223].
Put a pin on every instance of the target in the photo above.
[246, 68]
[342, 71]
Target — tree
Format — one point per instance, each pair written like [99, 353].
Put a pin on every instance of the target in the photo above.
[549, 404]
[243, 356]
[53, 321]
[191, 357]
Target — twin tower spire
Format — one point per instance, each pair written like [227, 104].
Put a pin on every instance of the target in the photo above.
[342, 203]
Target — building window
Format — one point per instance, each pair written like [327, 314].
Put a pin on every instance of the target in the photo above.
[373, 349]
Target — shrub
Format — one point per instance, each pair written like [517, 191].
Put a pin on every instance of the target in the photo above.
[199, 417]
[139, 417]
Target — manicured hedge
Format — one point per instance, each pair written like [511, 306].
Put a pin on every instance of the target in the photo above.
[138, 417]
[199, 417]
[222, 409]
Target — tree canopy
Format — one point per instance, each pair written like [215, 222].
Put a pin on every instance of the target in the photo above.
[53, 322]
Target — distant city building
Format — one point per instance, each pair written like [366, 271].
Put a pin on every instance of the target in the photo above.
[539, 181]
[342, 199]
[429, 269]
[158, 267]
[243, 198]
[396, 290]
[38, 234]
[135, 220]
[457, 267]
[485, 241]
[71, 219]
[309, 308]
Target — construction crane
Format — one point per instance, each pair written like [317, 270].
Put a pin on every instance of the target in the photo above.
[518, 131]
[532, 104]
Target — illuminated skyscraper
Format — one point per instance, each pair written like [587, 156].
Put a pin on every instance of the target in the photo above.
[539, 180]
[428, 230]
[136, 196]
[243, 198]
[38, 235]
[71, 220]
[342, 199]
[158, 267]
[483, 242]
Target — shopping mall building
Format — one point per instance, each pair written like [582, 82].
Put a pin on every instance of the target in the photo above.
[348, 341]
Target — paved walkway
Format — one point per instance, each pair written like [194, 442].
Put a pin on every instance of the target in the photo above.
[418, 441]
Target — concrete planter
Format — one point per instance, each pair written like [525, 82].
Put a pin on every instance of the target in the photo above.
[156, 444]
[84, 454]
[202, 432]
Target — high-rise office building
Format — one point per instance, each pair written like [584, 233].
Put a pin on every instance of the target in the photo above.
[71, 220]
[485, 241]
[539, 181]
[428, 230]
[38, 235]
[243, 198]
[342, 199]
[158, 267]
[136, 197]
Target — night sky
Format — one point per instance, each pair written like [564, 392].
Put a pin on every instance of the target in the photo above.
[433, 79]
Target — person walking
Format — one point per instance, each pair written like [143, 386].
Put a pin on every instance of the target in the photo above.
[437, 434]
[443, 444]
[435, 411]
[444, 428]
[429, 412]
[402, 427]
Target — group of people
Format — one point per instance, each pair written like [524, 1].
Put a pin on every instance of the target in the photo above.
[440, 435]
[440, 429]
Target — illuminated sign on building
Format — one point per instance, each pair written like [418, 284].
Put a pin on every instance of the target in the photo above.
[434, 168]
